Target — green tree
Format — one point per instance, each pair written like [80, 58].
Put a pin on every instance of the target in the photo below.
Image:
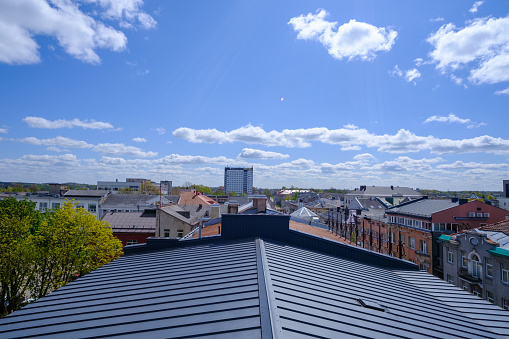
[202, 189]
[233, 193]
[147, 187]
[490, 197]
[70, 242]
[19, 222]
[267, 192]
[33, 188]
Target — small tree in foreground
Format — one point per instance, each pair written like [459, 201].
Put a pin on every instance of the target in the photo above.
[40, 253]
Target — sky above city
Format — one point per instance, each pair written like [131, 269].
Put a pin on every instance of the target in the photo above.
[314, 94]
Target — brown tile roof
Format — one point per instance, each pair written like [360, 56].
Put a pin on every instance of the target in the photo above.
[190, 198]
[501, 226]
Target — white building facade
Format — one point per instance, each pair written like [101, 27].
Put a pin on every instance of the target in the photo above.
[238, 180]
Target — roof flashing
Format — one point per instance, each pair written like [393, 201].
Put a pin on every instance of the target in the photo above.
[373, 304]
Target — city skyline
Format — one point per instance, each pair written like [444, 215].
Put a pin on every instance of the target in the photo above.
[329, 94]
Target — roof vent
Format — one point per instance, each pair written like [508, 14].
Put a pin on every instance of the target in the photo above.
[375, 305]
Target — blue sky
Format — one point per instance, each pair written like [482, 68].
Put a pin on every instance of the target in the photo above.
[309, 93]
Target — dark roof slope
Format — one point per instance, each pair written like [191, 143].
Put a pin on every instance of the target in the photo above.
[256, 288]
[85, 193]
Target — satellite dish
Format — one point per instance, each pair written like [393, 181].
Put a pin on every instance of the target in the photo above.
[474, 241]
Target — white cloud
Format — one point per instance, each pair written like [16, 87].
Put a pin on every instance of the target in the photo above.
[364, 157]
[405, 164]
[475, 6]
[403, 141]
[456, 80]
[161, 130]
[471, 165]
[418, 61]
[58, 141]
[259, 154]
[397, 72]
[37, 122]
[77, 33]
[350, 40]
[412, 74]
[3, 130]
[504, 91]
[436, 19]
[56, 149]
[483, 45]
[121, 149]
[351, 148]
[194, 159]
[139, 140]
[127, 12]
[451, 118]
[409, 75]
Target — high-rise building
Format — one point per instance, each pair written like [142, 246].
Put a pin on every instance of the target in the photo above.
[238, 179]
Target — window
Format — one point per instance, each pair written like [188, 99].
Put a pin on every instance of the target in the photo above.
[412, 242]
[55, 205]
[180, 233]
[486, 215]
[505, 304]
[489, 268]
[450, 279]
[479, 215]
[131, 242]
[392, 237]
[43, 206]
[505, 272]
[464, 260]
[476, 266]
[450, 257]
[490, 297]
[92, 208]
[80, 206]
[471, 214]
[402, 239]
[423, 266]
[424, 246]
[166, 233]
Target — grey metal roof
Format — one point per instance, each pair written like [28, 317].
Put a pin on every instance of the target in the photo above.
[133, 199]
[383, 191]
[131, 222]
[255, 288]
[424, 207]
[86, 193]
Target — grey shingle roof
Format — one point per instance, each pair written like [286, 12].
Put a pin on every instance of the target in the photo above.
[424, 208]
[256, 288]
[133, 199]
[86, 193]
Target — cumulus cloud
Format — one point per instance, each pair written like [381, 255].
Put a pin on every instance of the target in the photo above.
[409, 75]
[259, 154]
[364, 157]
[504, 92]
[161, 130]
[451, 118]
[139, 140]
[194, 159]
[3, 130]
[79, 34]
[128, 12]
[403, 141]
[121, 149]
[475, 6]
[350, 40]
[482, 45]
[471, 165]
[37, 122]
[58, 141]
[405, 163]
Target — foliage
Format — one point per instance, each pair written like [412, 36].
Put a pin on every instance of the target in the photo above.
[219, 192]
[40, 253]
[267, 192]
[147, 187]
[233, 193]
[18, 223]
[202, 189]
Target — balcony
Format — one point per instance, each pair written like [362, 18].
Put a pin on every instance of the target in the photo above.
[473, 277]
[425, 254]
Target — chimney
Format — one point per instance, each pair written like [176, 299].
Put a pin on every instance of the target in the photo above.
[215, 211]
[454, 199]
[392, 187]
[260, 203]
[233, 207]
[463, 201]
